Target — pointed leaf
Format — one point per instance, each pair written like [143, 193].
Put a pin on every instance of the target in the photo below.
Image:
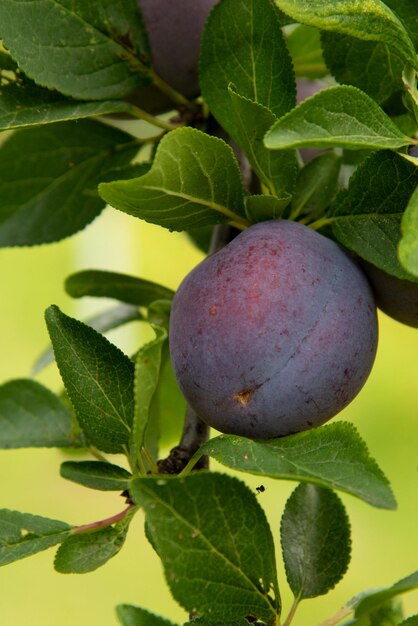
[407, 11]
[102, 284]
[96, 475]
[49, 177]
[332, 456]
[214, 542]
[243, 44]
[261, 208]
[388, 614]
[23, 534]
[135, 616]
[31, 416]
[366, 218]
[23, 103]
[371, 20]
[342, 117]
[147, 370]
[194, 181]
[317, 184]
[84, 50]
[369, 601]
[408, 245]
[363, 64]
[98, 378]
[85, 552]
[276, 170]
[167, 410]
[103, 322]
[315, 535]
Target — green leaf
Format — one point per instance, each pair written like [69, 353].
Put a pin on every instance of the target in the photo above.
[147, 370]
[370, 20]
[388, 614]
[31, 416]
[316, 185]
[243, 44]
[23, 534]
[366, 218]
[363, 64]
[102, 284]
[407, 11]
[99, 380]
[96, 475]
[408, 245]
[261, 208]
[167, 410]
[276, 170]
[305, 49]
[85, 552]
[369, 601]
[23, 103]
[332, 456]
[129, 615]
[340, 116]
[84, 50]
[214, 542]
[49, 177]
[411, 621]
[103, 322]
[315, 535]
[194, 181]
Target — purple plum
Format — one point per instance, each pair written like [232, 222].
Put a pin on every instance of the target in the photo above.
[273, 334]
[396, 297]
[174, 29]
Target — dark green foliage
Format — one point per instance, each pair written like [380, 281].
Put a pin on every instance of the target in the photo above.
[99, 380]
[220, 530]
[130, 289]
[333, 456]
[316, 545]
[31, 416]
[96, 475]
[49, 177]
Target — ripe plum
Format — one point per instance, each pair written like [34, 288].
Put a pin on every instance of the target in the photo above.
[273, 334]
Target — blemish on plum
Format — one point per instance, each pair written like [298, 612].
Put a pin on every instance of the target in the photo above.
[213, 310]
[243, 397]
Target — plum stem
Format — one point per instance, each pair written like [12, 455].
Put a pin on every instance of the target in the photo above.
[323, 221]
[195, 433]
[175, 96]
[151, 119]
[103, 523]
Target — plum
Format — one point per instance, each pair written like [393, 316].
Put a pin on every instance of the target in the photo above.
[273, 334]
[396, 297]
[174, 29]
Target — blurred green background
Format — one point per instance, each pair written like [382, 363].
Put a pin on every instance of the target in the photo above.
[385, 546]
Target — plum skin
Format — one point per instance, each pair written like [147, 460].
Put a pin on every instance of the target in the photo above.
[396, 297]
[174, 29]
[273, 334]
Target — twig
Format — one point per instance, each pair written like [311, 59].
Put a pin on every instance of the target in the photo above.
[103, 523]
